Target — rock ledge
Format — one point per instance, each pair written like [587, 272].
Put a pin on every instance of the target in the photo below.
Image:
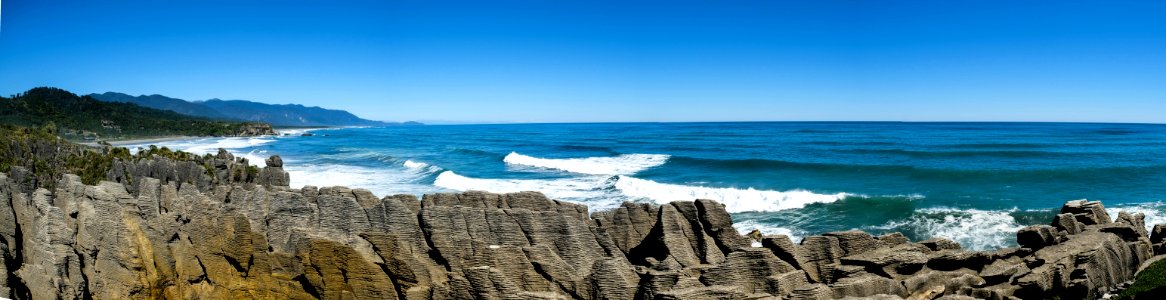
[176, 235]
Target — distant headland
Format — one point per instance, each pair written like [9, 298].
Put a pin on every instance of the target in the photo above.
[115, 116]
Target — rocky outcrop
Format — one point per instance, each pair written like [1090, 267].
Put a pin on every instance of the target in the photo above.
[255, 129]
[164, 229]
[203, 172]
[1158, 239]
[274, 174]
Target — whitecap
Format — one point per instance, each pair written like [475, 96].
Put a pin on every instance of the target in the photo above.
[227, 143]
[208, 145]
[588, 190]
[415, 165]
[747, 226]
[256, 157]
[601, 192]
[735, 200]
[204, 146]
[973, 228]
[294, 131]
[381, 181]
[1155, 212]
[625, 164]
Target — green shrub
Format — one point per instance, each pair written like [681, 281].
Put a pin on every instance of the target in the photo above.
[1149, 284]
[48, 156]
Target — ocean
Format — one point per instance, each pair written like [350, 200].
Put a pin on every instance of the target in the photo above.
[976, 183]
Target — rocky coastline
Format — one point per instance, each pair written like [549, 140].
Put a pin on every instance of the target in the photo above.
[160, 228]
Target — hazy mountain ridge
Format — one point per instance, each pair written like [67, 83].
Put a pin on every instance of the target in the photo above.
[287, 114]
[164, 103]
[275, 114]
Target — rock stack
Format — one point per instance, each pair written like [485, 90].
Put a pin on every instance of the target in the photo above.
[204, 173]
[255, 129]
[186, 236]
[273, 174]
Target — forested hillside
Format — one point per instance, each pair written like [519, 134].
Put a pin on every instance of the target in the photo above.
[85, 118]
[243, 110]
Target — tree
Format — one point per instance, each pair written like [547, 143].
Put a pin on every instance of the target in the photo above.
[49, 128]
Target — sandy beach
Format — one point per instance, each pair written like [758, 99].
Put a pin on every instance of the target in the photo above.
[139, 141]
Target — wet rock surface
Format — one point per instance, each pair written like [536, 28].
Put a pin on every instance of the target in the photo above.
[175, 233]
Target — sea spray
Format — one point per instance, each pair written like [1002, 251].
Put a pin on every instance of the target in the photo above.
[973, 228]
[1155, 212]
[735, 200]
[608, 192]
[625, 164]
[571, 189]
[887, 173]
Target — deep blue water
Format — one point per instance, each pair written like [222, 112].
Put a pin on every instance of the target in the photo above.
[974, 182]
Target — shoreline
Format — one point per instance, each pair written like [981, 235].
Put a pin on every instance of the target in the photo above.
[136, 141]
[463, 244]
[920, 222]
[624, 251]
[151, 140]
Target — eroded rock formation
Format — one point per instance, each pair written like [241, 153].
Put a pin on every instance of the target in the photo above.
[176, 232]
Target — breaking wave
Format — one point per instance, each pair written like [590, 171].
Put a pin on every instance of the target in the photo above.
[570, 189]
[746, 226]
[380, 180]
[415, 165]
[601, 192]
[735, 200]
[211, 145]
[973, 228]
[1155, 212]
[625, 164]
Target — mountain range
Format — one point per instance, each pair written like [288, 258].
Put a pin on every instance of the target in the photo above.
[243, 110]
[85, 118]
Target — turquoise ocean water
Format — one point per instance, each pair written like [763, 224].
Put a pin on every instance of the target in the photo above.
[974, 182]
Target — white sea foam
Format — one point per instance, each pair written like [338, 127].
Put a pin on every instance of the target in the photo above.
[735, 200]
[294, 131]
[256, 157]
[1155, 212]
[209, 145]
[300, 131]
[585, 189]
[746, 226]
[601, 192]
[227, 143]
[381, 181]
[626, 164]
[973, 228]
[415, 165]
[202, 146]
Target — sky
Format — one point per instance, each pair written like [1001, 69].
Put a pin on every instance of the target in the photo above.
[610, 61]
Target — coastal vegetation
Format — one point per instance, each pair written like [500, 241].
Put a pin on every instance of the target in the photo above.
[1149, 284]
[83, 118]
[44, 157]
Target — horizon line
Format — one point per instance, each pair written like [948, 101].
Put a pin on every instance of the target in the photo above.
[823, 121]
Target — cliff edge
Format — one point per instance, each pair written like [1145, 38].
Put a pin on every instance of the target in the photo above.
[158, 228]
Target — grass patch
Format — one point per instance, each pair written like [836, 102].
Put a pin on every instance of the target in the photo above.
[1150, 284]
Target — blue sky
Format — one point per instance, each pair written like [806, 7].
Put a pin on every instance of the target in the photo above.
[603, 61]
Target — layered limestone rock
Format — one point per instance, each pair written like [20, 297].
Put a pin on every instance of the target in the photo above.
[158, 229]
[205, 173]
